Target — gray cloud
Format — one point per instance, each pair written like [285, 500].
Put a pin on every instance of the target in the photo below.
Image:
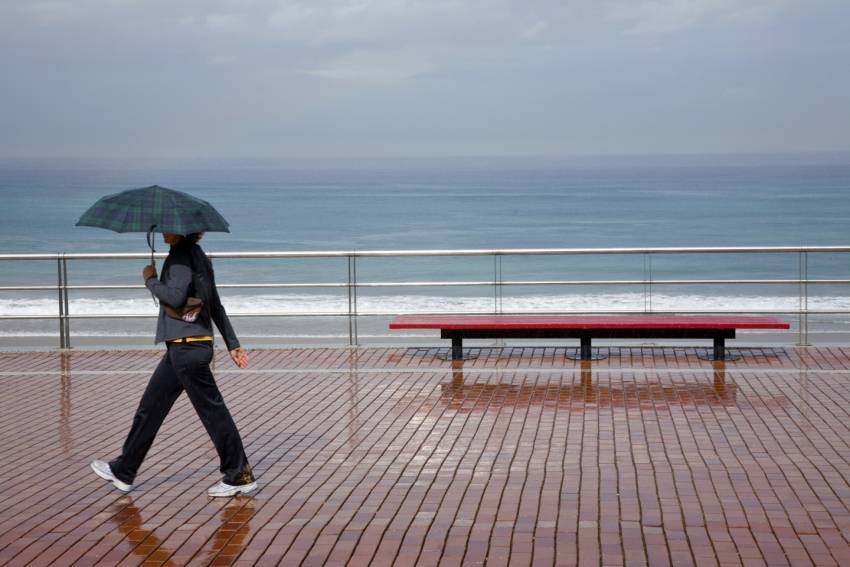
[421, 77]
[671, 16]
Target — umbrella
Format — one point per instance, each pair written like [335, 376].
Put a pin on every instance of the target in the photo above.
[154, 209]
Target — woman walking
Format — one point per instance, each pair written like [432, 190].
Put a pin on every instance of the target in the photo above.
[188, 335]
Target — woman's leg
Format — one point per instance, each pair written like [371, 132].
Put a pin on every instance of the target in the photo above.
[163, 389]
[191, 362]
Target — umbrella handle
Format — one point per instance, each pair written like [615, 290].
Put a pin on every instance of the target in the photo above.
[150, 239]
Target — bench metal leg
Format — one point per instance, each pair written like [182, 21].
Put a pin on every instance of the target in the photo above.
[585, 348]
[457, 348]
[719, 348]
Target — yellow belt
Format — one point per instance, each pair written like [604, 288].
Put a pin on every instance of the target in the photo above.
[190, 339]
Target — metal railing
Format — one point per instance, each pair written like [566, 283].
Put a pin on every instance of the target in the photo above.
[648, 280]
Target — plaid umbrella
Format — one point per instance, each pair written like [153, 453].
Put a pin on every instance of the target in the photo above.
[154, 209]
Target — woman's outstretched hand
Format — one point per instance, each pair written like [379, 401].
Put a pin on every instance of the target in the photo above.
[239, 357]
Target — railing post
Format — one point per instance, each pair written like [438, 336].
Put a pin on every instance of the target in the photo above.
[352, 300]
[59, 288]
[64, 324]
[497, 284]
[647, 286]
[804, 299]
[67, 303]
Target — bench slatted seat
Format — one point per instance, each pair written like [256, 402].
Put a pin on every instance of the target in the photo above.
[587, 327]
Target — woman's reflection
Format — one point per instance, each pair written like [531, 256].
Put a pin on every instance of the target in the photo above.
[227, 542]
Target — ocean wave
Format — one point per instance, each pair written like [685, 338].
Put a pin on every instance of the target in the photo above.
[310, 304]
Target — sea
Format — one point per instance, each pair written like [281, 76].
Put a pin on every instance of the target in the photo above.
[585, 202]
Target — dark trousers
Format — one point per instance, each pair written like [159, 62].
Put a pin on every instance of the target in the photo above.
[185, 366]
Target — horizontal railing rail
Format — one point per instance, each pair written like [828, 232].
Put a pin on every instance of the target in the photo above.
[346, 280]
[444, 252]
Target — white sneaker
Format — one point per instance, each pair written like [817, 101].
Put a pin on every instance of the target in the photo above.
[102, 470]
[221, 488]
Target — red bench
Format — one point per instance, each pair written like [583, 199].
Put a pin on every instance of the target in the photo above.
[585, 328]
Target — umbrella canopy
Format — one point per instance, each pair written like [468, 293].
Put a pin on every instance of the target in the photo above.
[154, 208]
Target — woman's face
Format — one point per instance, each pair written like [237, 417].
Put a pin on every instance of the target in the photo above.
[171, 239]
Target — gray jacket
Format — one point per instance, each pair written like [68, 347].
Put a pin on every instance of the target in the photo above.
[175, 284]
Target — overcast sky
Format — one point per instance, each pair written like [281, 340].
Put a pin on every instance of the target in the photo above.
[422, 78]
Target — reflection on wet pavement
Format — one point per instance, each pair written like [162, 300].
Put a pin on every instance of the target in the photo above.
[225, 545]
[394, 457]
[579, 390]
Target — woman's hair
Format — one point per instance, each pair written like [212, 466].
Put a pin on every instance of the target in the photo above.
[194, 238]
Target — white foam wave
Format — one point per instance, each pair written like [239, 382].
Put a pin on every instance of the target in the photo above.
[328, 304]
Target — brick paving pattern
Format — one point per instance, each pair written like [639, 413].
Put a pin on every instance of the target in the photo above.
[519, 456]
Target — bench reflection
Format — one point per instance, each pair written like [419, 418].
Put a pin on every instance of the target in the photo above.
[577, 395]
